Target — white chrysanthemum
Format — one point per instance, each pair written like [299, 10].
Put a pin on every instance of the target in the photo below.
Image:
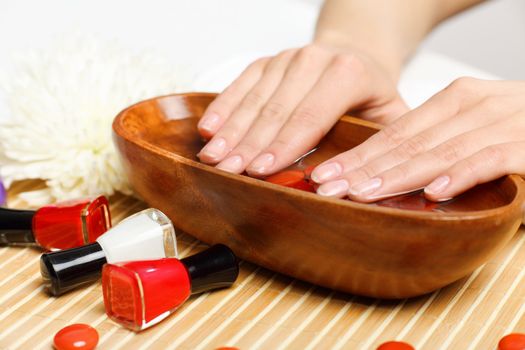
[62, 102]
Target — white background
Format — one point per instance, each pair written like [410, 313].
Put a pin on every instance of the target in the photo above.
[215, 39]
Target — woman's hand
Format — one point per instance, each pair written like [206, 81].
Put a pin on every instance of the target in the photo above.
[471, 132]
[280, 107]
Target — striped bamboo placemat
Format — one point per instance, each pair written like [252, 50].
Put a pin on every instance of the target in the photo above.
[265, 310]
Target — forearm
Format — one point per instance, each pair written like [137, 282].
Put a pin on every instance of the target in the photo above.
[387, 30]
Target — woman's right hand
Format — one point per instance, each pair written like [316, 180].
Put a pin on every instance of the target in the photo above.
[280, 107]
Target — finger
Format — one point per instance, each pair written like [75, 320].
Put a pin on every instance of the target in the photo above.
[484, 114]
[234, 129]
[301, 75]
[422, 169]
[220, 109]
[443, 106]
[488, 164]
[340, 86]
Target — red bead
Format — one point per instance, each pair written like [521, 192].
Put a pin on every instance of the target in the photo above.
[71, 224]
[395, 345]
[138, 292]
[227, 348]
[514, 341]
[76, 337]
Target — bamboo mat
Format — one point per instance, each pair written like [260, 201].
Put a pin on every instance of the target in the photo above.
[264, 310]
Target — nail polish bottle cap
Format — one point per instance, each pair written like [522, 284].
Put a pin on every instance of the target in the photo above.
[67, 269]
[215, 267]
[16, 226]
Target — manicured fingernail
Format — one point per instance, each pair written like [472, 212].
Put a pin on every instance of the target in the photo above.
[209, 122]
[214, 149]
[262, 163]
[438, 185]
[231, 164]
[366, 188]
[337, 188]
[327, 172]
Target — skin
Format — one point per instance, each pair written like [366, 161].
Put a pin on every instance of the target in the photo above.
[281, 106]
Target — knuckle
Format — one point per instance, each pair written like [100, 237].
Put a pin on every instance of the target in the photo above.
[348, 64]
[450, 152]
[413, 146]
[365, 172]
[311, 118]
[392, 135]
[400, 172]
[273, 112]
[495, 156]
[258, 64]
[353, 158]
[283, 145]
[252, 100]
[469, 169]
[463, 85]
[308, 53]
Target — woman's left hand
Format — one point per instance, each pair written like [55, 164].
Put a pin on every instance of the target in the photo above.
[470, 133]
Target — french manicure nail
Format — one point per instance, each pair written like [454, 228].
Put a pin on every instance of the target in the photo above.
[366, 188]
[337, 188]
[209, 122]
[215, 148]
[327, 172]
[231, 164]
[262, 163]
[438, 185]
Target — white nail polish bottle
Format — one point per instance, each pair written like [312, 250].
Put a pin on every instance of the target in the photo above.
[146, 235]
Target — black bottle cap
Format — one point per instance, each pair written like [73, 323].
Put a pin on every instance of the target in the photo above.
[69, 268]
[16, 226]
[215, 267]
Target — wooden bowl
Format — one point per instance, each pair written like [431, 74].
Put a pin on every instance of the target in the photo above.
[353, 247]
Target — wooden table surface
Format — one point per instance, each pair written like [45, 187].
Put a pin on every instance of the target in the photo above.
[264, 310]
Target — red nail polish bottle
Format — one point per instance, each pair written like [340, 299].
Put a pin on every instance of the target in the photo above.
[140, 294]
[60, 226]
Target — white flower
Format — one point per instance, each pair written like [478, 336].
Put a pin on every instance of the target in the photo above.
[62, 102]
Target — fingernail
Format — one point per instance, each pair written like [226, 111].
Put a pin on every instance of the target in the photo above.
[215, 148]
[366, 188]
[262, 163]
[231, 164]
[327, 172]
[438, 185]
[209, 122]
[337, 188]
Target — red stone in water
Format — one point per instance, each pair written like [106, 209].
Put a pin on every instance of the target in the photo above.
[514, 341]
[293, 179]
[76, 337]
[395, 345]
